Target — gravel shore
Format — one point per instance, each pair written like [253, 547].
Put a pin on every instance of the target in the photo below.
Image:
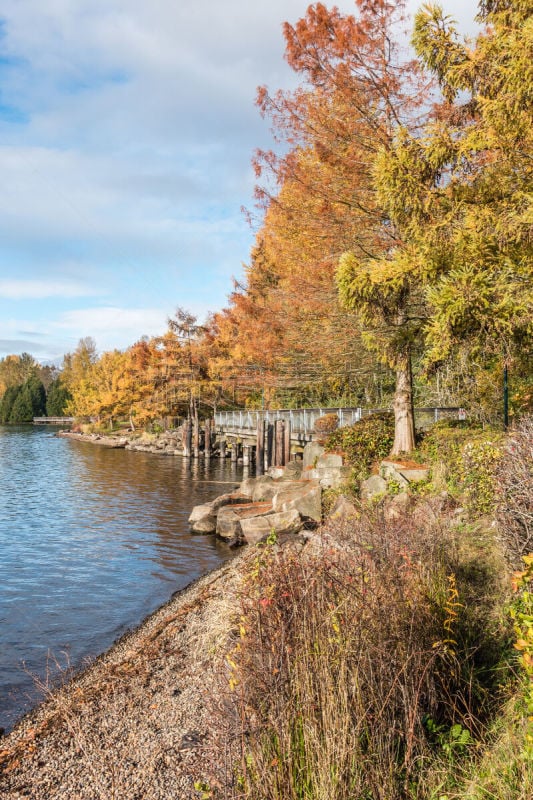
[138, 724]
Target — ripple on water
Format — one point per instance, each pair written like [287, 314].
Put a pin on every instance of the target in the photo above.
[91, 541]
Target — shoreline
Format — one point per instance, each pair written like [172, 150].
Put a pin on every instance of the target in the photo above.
[45, 756]
[146, 694]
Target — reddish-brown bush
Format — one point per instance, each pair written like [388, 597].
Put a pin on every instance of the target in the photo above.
[514, 481]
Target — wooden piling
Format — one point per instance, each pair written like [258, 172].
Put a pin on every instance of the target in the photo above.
[246, 455]
[196, 437]
[279, 431]
[269, 445]
[287, 442]
[207, 438]
[222, 450]
[260, 448]
[187, 439]
[234, 451]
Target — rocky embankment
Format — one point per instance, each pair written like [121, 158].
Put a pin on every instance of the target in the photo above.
[166, 443]
[281, 502]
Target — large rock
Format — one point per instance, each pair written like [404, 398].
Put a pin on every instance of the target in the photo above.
[312, 453]
[343, 509]
[232, 499]
[203, 519]
[373, 486]
[256, 528]
[403, 474]
[229, 518]
[265, 489]
[333, 477]
[276, 472]
[257, 489]
[247, 487]
[397, 506]
[328, 461]
[305, 498]
[293, 470]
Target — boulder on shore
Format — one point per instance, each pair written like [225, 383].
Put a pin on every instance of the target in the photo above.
[230, 518]
[256, 528]
[305, 498]
[203, 519]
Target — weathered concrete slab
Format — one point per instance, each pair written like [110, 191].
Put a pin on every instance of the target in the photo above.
[404, 473]
[329, 460]
[343, 509]
[231, 499]
[312, 453]
[373, 486]
[256, 528]
[388, 471]
[305, 498]
[415, 475]
[229, 518]
[203, 519]
[333, 477]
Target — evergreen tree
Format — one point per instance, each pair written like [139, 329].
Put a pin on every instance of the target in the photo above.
[57, 398]
[37, 395]
[7, 403]
[22, 411]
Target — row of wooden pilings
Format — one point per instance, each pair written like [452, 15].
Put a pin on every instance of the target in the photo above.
[272, 446]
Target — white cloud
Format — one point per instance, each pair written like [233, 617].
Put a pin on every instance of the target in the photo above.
[127, 157]
[35, 290]
[111, 326]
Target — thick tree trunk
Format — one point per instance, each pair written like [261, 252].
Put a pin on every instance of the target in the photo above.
[404, 423]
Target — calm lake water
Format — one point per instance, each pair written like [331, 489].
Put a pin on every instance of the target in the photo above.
[91, 541]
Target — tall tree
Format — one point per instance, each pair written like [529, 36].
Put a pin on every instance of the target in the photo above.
[57, 398]
[462, 190]
[356, 91]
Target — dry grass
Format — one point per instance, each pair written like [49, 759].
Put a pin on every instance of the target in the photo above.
[348, 652]
[515, 486]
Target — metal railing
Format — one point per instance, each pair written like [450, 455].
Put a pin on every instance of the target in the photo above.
[303, 420]
[52, 420]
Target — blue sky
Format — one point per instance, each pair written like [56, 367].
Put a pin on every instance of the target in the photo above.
[126, 133]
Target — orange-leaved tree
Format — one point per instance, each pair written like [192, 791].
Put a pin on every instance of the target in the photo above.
[356, 90]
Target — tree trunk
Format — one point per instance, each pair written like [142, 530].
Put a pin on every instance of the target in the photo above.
[404, 423]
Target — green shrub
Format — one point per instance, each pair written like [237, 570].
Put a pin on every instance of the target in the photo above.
[367, 441]
[469, 455]
[479, 460]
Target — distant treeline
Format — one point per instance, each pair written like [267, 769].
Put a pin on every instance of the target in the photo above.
[29, 390]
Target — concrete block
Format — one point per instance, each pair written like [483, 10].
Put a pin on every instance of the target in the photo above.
[256, 528]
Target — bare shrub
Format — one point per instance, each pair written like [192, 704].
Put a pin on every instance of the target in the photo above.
[515, 489]
[346, 649]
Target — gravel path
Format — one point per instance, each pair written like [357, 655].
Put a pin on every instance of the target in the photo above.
[138, 724]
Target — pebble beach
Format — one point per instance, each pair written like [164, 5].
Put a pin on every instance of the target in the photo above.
[139, 723]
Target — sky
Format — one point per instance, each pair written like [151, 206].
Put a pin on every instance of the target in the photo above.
[126, 134]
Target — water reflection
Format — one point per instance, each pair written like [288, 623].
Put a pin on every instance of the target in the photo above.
[91, 540]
